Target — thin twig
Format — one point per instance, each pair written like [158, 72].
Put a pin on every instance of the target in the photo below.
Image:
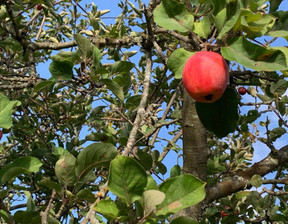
[40, 28]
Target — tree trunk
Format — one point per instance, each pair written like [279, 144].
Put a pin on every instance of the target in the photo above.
[195, 150]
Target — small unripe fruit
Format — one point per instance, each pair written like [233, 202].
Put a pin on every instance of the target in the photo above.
[205, 76]
[39, 7]
[242, 90]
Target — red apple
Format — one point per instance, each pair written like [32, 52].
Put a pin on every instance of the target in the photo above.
[39, 7]
[205, 76]
[224, 214]
[1, 134]
[242, 90]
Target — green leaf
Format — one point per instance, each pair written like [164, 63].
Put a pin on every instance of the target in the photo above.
[221, 116]
[85, 46]
[64, 56]
[202, 28]
[107, 208]
[85, 195]
[94, 155]
[97, 56]
[177, 60]
[122, 67]
[145, 159]
[214, 166]
[42, 85]
[59, 151]
[175, 171]
[19, 166]
[152, 198]
[184, 220]
[172, 15]
[6, 109]
[61, 70]
[256, 180]
[23, 217]
[279, 87]
[114, 87]
[133, 102]
[274, 5]
[30, 203]
[277, 133]
[151, 183]
[65, 170]
[254, 56]
[46, 182]
[255, 24]
[181, 192]
[233, 10]
[219, 13]
[127, 179]
[280, 27]
[4, 215]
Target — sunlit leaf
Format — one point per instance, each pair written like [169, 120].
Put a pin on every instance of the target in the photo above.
[177, 60]
[19, 166]
[254, 56]
[172, 15]
[65, 170]
[181, 192]
[6, 109]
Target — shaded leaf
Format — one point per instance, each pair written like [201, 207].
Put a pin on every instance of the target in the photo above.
[97, 56]
[61, 70]
[184, 220]
[114, 87]
[221, 116]
[42, 85]
[274, 4]
[276, 133]
[175, 171]
[46, 182]
[86, 195]
[84, 44]
[94, 155]
[280, 27]
[279, 87]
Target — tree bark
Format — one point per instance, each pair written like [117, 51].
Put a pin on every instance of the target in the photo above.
[195, 150]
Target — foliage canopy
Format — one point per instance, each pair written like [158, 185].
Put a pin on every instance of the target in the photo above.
[86, 143]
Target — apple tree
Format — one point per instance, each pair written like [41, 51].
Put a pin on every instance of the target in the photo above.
[108, 134]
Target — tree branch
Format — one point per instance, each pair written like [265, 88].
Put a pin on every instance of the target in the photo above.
[241, 180]
[142, 105]
[44, 215]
